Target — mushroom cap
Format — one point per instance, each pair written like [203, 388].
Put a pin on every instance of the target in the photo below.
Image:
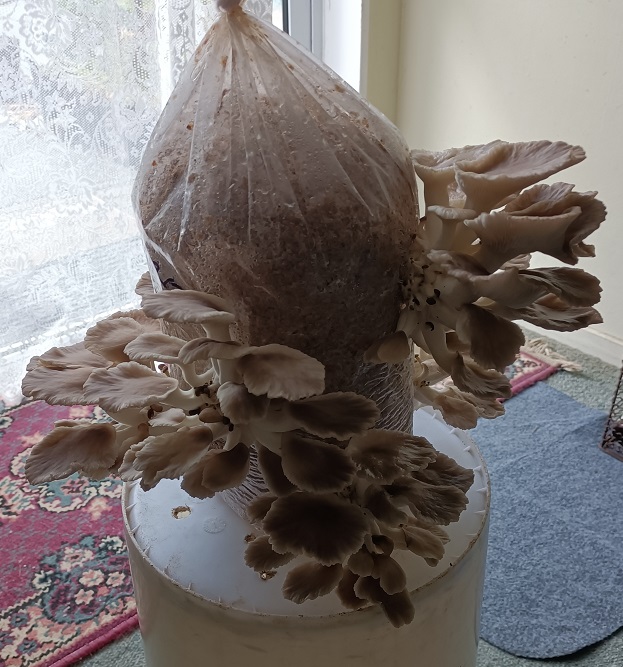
[128, 385]
[192, 483]
[109, 337]
[346, 591]
[390, 574]
[322, 526]
[224, 469]
[553, 313]
[144, 286]
[281, 372]
[494, 342]
[187, 306]
[272, 471]
[574, 286]
[57, 387]
[378, 543]
[72, 448]
[335, 415]
[437, 168]
[171, 455]
[513, 287]
[314, 465]
[155, 347]
[62, 358]
[436, 504]
[504, 236]
[258, 507]
[550, 199]
[488, 179]
[239, 405]
[207, 348]
[139, 315]
[310, 581]
[217, 470]
[126, 470]
[128, 437]
[442, 162]
[58, 375]
[452, 213]
[422, 542]
[393, 349]
[455, 410]
[443, 471]
[397, 607]
[471, 378]
[260, 555]
[382, 455]
[172, 417]
[381, 505]
[361, 563]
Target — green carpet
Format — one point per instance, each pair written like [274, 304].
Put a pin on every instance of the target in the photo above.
[593, 386]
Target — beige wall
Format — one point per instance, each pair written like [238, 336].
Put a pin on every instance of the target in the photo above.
[474, 70]
[380, 54]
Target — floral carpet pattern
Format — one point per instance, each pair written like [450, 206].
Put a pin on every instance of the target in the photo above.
[528, 369]
[65, 585]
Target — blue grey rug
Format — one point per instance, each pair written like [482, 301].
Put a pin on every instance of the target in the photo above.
[554, 581]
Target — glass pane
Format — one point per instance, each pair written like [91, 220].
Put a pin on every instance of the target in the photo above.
[279, 15]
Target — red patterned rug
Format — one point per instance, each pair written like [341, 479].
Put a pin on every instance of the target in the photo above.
[534, 364]
[65, 587]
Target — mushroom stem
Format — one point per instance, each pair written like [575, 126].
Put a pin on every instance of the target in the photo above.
[226, 370]
[191, 377]
[186, 400]
[409, 321]
[433, 230]
[233, 438]
[217, 331]
[219, 430]
[189, 422]
[129, 416]
[448, 232]
[436, 345]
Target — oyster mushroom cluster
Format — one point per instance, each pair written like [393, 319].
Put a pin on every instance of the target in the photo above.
[341, 492]
[486, 213]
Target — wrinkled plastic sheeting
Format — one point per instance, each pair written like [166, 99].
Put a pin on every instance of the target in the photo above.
[270, 182]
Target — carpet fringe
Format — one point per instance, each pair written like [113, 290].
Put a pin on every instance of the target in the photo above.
[540, 348]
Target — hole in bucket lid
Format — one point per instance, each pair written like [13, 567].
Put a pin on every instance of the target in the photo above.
[181, 512]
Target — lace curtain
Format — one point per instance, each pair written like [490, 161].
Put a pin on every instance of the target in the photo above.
[82, 83]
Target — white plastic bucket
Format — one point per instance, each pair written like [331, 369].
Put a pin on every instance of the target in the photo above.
[199, 605]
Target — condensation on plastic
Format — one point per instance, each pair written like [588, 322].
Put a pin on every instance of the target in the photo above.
[270, 182]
